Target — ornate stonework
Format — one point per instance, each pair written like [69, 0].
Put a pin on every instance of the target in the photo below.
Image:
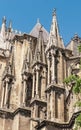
[32, 70]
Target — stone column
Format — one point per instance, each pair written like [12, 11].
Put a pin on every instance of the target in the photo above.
[37, 81]
[53, 66]
[6, 92]
[48, 106]
[60, 70]
[53, 105]
[62, 107]
[24, 89]
[59, 106]
[43, 85]
[32, 111]
[48, 60]
[2, 99]
[33, 89]
[35, 111]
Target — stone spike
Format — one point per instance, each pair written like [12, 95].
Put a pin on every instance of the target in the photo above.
[38, 21]
[54, 36]
[10, 25]
[54, 12]
[3, 28]
[26, 62]
[54, 26]
[39, 53]
[4, 20]
[41, 45]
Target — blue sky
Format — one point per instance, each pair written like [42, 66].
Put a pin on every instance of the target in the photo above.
[24, 14]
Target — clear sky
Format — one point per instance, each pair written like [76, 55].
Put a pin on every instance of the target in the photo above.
[24, 14]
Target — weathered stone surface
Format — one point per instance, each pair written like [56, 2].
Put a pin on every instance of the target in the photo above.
[32, 70]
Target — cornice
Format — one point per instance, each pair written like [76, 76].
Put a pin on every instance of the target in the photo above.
[55, 87]
[7, 113]
[24, 36]
[64, 125]
[38, 102]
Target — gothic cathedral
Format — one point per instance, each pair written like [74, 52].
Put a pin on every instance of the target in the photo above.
[33, 67]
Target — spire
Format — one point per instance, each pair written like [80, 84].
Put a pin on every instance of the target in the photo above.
[3, 28]
[4, 19]
[54, 37]
[38, 21]
[54, 26]
[10, 26]
[39, 52]
[26, 63]
[54, 12]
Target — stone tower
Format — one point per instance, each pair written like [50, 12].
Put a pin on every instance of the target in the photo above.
[55, 62]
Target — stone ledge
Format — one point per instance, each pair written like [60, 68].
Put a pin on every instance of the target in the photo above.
[55, 86]
[63, 125]
[6, 113]
[38, 101]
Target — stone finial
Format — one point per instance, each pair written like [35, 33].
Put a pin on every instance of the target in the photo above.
[3, 27]
[38, 21]
[75, 35]
[10, 24]
[54, 12]
[4, 20]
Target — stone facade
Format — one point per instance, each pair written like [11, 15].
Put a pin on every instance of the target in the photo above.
[32, 70]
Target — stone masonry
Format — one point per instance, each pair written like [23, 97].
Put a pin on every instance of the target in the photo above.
[33, 67]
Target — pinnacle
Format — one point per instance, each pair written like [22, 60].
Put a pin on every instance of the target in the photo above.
[38, 21]
[4, 19]
[54, 11]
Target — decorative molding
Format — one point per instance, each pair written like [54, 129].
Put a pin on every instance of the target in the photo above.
[6, 113]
